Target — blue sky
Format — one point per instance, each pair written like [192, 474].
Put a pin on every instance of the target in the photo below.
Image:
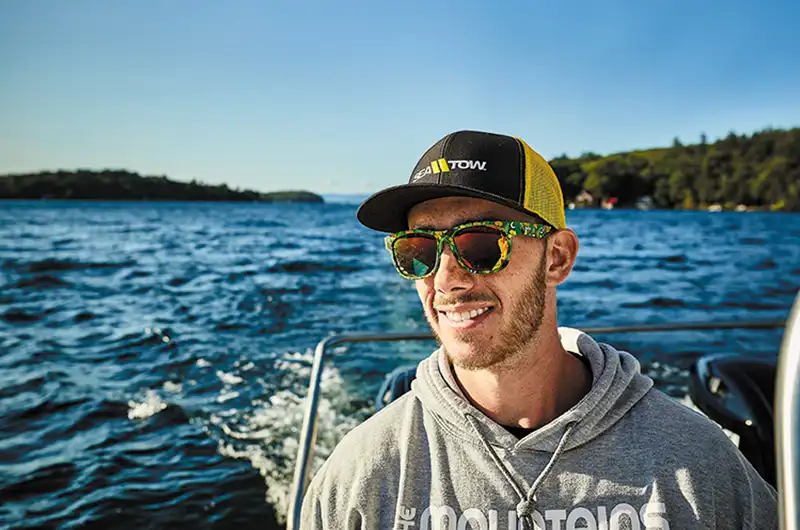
[343, 97]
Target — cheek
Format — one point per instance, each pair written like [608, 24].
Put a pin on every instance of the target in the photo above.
[524, 260]
[425, 291]
[506, 283]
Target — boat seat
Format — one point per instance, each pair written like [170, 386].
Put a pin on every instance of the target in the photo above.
[738, 393]
[397, 383]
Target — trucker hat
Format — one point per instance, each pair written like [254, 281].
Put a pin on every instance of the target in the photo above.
[499, 168]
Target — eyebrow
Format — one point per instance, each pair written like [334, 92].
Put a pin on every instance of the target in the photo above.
[461, 222]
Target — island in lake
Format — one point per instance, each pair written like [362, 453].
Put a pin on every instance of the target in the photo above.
[122, 185]
[743, 173]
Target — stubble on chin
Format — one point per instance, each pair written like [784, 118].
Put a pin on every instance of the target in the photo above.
[477, 352]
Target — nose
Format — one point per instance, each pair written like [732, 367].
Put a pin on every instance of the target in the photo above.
[451, 276]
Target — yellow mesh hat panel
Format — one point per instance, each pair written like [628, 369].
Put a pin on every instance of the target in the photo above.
[542, 190]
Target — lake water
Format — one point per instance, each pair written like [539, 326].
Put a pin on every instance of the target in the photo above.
[154, 356]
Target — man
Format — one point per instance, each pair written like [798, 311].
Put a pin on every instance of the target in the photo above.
[514, 422]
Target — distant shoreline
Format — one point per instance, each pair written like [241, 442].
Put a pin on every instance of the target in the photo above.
[122, 185]
[157, 201]
[749, 210]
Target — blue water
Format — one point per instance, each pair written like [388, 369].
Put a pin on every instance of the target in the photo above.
[153, 357]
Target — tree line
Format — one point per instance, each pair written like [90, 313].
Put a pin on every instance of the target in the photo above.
[126, 185]
[758, 171]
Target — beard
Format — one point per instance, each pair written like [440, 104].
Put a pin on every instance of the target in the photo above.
[519, 331]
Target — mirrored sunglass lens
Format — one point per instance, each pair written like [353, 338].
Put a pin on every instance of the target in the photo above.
[479, 247]
[415, 255]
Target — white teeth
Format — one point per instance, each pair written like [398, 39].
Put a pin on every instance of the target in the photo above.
[466, 315]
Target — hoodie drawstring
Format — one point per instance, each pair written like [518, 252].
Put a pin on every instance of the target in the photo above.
[546, 471]
[496, 459]
[527, 503]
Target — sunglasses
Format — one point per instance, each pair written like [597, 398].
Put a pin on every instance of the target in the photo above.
[481, 247]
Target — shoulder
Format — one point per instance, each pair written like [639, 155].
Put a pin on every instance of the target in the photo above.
[667, 418]
[701, 458]
[368, 450]
[686, 441]
[362, 475]
[363, 469]
[383, 430]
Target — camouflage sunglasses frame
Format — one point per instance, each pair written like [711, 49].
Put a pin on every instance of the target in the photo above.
[508, 228]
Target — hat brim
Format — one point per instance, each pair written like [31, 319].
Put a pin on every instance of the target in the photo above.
[387, 210]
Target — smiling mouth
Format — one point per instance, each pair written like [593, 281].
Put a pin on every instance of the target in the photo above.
[465, 316]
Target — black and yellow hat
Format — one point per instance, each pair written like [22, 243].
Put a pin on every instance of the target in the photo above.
[502, 169]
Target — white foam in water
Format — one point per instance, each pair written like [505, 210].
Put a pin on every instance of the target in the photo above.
[291, 361]
[665, 372]
[229, 379]
[227, 396]
[272, 429]
[173, 388]
[249, 366]
[151, 405]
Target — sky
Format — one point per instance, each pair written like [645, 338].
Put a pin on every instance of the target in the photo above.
[344, 97]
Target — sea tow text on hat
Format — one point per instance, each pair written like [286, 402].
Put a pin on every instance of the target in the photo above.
[443, 166]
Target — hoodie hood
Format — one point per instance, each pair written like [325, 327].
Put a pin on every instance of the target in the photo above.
[617, 385]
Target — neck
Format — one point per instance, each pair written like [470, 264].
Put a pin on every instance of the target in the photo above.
[531, 389]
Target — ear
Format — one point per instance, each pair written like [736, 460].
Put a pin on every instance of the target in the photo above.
[562, 250]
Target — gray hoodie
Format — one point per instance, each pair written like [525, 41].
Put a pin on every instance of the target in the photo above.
[625, 457]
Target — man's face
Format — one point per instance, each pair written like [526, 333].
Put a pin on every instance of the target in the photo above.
[510, 303]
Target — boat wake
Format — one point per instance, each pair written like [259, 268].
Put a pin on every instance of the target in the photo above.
[267, 434]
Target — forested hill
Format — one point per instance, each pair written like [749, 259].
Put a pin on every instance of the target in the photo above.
[129, 186]
[761, 170]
